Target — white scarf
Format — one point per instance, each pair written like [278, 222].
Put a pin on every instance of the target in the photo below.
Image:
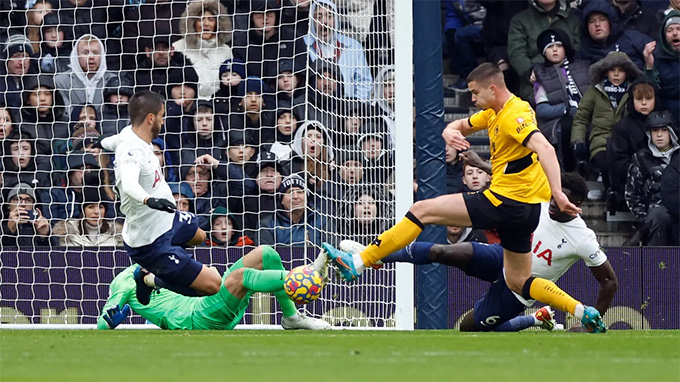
[90, 83]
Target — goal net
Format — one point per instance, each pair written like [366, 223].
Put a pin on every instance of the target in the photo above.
[280, 129]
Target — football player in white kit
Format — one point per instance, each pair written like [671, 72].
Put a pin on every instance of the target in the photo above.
[155, 233]
[559, 241]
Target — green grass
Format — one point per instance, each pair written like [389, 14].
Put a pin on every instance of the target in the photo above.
[137, 355]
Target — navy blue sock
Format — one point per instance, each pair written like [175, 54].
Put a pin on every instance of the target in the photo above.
[183, 290]
[416, 253]
[516, 324]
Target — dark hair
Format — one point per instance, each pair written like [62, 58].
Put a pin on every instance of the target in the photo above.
[576, 184]
[485, 73]
[143, 103]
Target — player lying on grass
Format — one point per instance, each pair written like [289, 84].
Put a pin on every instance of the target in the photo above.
[260, 270]
[559, 241]
[152, 223]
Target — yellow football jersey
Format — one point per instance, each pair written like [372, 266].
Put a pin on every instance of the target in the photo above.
[516, 172]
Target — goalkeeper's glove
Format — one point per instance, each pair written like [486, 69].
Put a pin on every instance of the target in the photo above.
[115, 316]
[161, 204]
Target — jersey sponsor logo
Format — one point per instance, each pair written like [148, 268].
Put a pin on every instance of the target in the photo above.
[546, 254]
[594, 255]
[156, 178]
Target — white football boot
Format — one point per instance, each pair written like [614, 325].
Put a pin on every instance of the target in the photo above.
[320, 265]
[300, 321]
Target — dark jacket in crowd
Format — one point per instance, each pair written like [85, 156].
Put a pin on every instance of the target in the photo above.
[45, 128]
[666, 71]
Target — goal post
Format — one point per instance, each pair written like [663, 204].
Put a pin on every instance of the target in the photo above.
[355, 89]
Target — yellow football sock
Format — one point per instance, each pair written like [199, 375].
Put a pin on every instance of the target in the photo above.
[392, 240]
[547, 292]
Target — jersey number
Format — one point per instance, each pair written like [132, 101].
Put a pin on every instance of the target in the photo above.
[490, 321]
[545, 254]
[185, 217]
[156, 178]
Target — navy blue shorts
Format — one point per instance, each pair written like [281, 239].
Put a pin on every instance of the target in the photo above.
[166, 257]
[499, 304]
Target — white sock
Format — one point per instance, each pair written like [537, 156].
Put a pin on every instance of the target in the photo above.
[537, 322]
[358, 262]
[150, 280]
[579, 310]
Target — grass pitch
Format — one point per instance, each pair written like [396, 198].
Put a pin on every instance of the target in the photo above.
[154, 355]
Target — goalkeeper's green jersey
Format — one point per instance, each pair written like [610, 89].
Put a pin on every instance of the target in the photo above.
[170, 310]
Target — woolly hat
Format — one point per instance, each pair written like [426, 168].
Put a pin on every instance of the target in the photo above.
[268, 159]
[181, 188]
[233, 65]
[22, 188]
[18, 43]
[290, 181]
[184, 76]
[252, 84]
[660, 118]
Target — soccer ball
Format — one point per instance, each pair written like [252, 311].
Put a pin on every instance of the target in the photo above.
[303, 284]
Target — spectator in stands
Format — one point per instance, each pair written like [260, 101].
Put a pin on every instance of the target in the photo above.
[225, 230]
[325, 94]
[458, 235]
[267, 41]
[6, 128]
[101, 19]
[353, 115]
[232, 73]
[92, 229]
[383, 98]
[56, 45]
[314, 152]
[83, 171]
[205, 135]
[365, 212]
[378, 155]
[463, 25]
[287, 123]
[601, 108]
[24, 224]
[289, 89]
[474, 178]
[146, 24]
[495, 28]
[165, 161]
[83, 116]
[18, 66]
[326, 43]
[260, 205]
[627, 138]
[633, 16]
[34, 19]
[664, 65]
[199, 178]
[524, 30]
[643, 186]
[22, 165]
[157, 65]
[184, 196]
[295, 222]
[254, 113]
[115, 115]
[454, 172]
[43, 112]
[349, 172]
[206, 30]
[559, 86]
[182, 91]
[670, 194]
[604, 34]
[296, 12]
[84, 83]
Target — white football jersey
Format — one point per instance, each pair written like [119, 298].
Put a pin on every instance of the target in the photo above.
[142, 224]
[556, 246]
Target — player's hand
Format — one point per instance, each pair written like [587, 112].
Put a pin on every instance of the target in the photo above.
[648, 54]
[97, 143]
[472, 159]
[564, 204]
[115, 316]
[454, 138]
[161, 204]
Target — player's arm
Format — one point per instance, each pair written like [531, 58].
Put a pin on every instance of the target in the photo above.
[605, 275]
[537, 143]
[129, 180]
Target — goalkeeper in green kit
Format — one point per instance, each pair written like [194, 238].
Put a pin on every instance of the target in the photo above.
[260, 270]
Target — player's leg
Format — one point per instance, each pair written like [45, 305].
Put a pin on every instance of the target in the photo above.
[444, 210]
[456, 255]
[498, 306]
[198, 239]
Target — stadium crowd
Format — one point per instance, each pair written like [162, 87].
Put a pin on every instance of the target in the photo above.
[279, 116]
